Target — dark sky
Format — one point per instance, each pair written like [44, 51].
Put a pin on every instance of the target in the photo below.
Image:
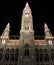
[11, 11]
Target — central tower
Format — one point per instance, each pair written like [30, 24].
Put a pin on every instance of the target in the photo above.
[26, 47]
[27, 23]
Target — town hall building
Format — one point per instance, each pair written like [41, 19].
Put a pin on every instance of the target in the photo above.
[26, 50]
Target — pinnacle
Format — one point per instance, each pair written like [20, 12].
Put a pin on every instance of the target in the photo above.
[45, 25]
[27, 5]
[8, 25]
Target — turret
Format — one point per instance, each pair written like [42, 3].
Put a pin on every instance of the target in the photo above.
[48, 34]
[5, 34]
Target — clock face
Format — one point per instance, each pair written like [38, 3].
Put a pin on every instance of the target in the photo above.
[27, 14]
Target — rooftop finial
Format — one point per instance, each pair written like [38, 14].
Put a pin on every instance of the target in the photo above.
[27, 5]
[27, 8]
[46, 25]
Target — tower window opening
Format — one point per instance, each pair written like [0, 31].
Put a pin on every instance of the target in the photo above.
[26, 52]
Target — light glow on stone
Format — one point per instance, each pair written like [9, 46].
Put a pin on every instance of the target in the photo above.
[27, 15]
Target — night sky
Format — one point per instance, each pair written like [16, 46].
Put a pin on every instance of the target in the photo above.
[11, 11]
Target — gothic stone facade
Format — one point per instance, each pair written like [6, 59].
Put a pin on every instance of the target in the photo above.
[26, 50]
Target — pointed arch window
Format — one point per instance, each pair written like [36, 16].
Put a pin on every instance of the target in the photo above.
[12, 57]
[26, 52]
[1, 54]
[7, 57]
[16, 54]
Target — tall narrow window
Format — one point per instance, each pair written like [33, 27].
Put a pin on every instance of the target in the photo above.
[1, 53]
[26, 52]
[12, 57]
[0, 56]
[37, 55]
[52, 56]
[41, 57]
[7, 57]
[16, 57]
[16, 54]
[46, 57]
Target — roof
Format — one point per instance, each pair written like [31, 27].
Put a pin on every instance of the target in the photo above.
[13, 42]
[40, 42]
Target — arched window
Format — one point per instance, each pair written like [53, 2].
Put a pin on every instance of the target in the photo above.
[37, 55]
[1, 50]
[45, 50]
[47, 57]
[7, 57]
[41, 50]
[1, 53]
[0, 56]
[16, 57]
[12, 50]
[52, 57]
[26, 46]
[16, 54]
[26, 52]
[12, 57]
[41, 57]
[52, 50]
[16, 50]
[7, 50]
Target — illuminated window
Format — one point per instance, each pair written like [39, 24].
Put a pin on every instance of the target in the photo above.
[3, 41]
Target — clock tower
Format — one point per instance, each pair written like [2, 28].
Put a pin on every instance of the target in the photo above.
[26, 47]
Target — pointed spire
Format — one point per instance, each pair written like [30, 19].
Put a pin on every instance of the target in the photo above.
[5, 34]
[7, 27]
[46, 27]
[27, 8]
[27, 5]
[47, 32]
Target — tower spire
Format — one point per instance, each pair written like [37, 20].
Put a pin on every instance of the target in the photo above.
[6, 31]
[27, 5]
[48, 35]
[27, 8]
[47, 32]
[27, 21]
